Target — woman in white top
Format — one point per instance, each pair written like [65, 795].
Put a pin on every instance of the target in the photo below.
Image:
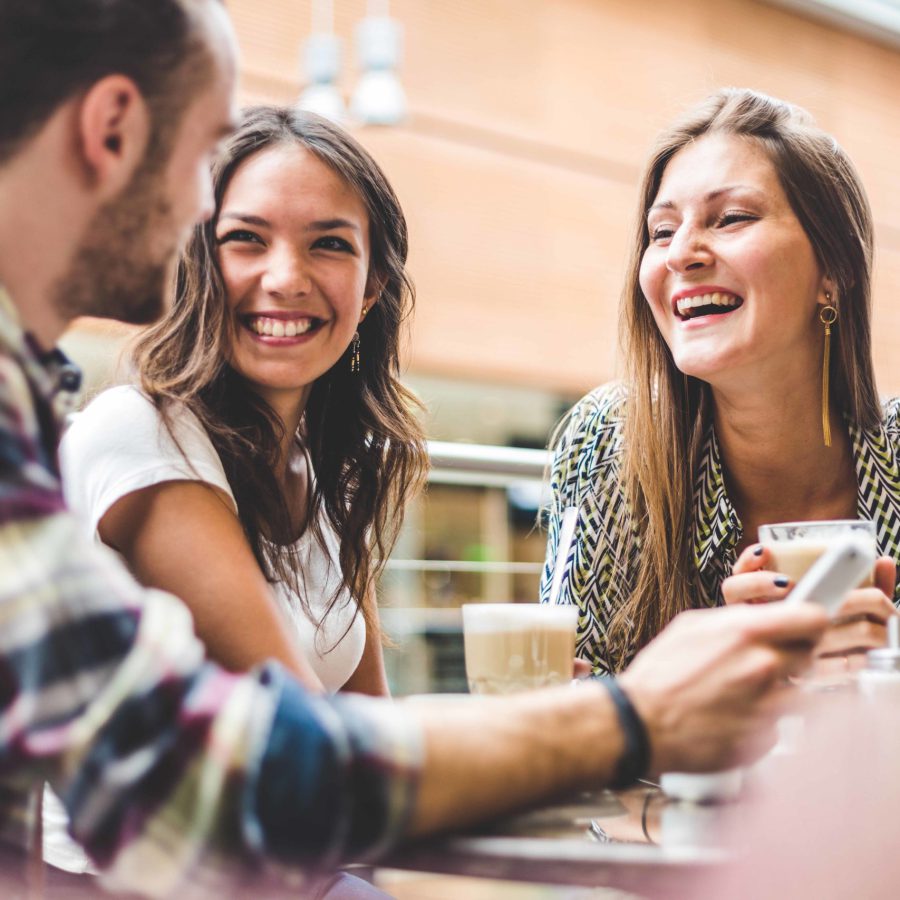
[260, 470]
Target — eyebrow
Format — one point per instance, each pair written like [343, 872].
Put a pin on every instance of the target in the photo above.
[712, 195]
[318, 225]
[247, 218]
[331, 224]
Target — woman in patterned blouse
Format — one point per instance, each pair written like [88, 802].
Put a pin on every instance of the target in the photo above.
[755, 231]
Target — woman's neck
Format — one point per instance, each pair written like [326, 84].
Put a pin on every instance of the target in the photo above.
[776, 462]
[289, 406]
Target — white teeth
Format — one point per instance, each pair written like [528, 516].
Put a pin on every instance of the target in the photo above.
[717, 298]
[279, 327]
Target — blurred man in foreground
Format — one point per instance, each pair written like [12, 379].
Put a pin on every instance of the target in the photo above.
[177, 776]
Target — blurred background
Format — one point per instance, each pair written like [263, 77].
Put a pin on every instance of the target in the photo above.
[514, 132]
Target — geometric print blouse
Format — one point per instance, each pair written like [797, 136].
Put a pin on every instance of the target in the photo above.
[585, 474]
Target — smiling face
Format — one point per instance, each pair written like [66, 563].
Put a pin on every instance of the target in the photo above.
[729, 273]
[293, 244]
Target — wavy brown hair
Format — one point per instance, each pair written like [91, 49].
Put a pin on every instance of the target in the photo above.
[359, 430]
[668, 414]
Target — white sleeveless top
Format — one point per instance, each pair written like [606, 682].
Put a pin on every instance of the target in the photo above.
[118, 445]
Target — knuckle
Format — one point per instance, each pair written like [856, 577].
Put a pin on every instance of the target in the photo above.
[769, 667]
[869, 632]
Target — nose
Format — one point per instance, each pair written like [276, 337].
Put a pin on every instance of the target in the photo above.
[286, 274]
[688, 249]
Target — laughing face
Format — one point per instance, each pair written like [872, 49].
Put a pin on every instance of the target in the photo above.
[729, 272]
[293, 244]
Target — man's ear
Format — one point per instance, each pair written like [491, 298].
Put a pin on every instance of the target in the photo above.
[113, 132]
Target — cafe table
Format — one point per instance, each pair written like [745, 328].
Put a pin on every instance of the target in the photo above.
[637, 841]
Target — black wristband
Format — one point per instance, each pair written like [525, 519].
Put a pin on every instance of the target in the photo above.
[635, 759]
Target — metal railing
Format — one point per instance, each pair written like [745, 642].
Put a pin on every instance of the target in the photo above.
[428, 635]
[489, 466]
[479, 465]
[878, 19]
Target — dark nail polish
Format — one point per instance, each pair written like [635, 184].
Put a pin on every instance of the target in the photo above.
[782, 582]
[758, 551]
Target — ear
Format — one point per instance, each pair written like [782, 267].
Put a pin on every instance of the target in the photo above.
[113, 132]
[374, 286]
[828, 292]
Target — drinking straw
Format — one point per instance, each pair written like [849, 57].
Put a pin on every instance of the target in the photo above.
[563, 546]
[894, 633]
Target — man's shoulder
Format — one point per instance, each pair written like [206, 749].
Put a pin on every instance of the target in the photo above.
[16, 396]
[29, 485]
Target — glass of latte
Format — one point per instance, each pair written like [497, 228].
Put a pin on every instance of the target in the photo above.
[518, 646]
[795, 546]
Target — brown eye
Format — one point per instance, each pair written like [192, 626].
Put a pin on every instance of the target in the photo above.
[331, 242]
[239, 235]
[734, 217]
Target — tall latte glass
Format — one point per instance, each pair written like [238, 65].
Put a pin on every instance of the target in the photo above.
[518, 646]
[795, 546]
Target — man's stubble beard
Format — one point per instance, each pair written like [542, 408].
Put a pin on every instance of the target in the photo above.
[117, 271]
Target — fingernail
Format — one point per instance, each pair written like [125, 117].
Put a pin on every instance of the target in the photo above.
[758, 551]
[782, 582]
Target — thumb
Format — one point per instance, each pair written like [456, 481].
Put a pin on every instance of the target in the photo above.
[582, 668]
[886, 575]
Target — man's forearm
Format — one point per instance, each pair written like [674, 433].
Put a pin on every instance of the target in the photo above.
[487, 756]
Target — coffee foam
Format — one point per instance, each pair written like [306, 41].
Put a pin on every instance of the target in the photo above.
[490, 617]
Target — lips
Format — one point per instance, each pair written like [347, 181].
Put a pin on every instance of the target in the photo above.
[711, 303]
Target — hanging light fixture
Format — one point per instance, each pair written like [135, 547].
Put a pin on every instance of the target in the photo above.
[321, 65]
[379, 98]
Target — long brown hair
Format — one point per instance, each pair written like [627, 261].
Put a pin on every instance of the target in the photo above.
[365, 445]
[668, 414]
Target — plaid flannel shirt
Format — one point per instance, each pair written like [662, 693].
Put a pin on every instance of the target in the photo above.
[177, 776]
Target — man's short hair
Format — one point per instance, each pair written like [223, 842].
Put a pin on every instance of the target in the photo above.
[52, 49]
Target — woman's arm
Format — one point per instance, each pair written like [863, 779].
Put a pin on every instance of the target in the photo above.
[370, 677]
[183, 537]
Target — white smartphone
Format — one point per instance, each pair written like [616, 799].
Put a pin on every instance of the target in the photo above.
[835, 573]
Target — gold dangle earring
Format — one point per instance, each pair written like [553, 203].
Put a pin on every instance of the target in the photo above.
[354, 344]
[827, 316]
[354, 352]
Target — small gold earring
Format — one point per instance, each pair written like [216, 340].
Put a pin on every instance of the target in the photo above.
[827, 316]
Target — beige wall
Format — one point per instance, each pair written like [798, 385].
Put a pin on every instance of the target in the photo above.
[530, 120]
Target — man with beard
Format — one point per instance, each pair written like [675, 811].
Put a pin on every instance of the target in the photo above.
[179, 777]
